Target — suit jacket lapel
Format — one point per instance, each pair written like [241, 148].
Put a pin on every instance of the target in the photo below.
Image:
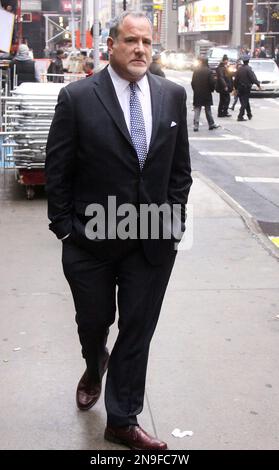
[104, 89]
[156, 105]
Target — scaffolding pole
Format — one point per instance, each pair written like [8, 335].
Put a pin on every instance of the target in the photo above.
[254, 17]
[83, 23]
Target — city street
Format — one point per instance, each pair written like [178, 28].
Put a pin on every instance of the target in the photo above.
[214, 376]
[214, 356]
[240, 157]
[101, 333]
[213, 360]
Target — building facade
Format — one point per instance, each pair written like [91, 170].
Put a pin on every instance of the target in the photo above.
[177, 24]
[214, 21]
[267, 24]
[228, 22]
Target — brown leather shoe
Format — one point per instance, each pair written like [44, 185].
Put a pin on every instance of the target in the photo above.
[134, 437]
[88, 392]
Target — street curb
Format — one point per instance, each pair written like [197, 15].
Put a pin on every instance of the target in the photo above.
[250, 222]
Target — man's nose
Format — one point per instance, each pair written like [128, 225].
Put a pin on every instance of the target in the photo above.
[139, 46]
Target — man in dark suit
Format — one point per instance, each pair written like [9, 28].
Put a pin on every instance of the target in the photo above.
[244, 79]
[118, 141]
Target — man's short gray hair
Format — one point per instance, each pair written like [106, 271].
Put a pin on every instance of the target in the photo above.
[118, 20]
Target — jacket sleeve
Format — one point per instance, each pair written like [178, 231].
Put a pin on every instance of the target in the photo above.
[211, 81]
[180, 177]
[60, 165]
[253, 78]
[221, 78]
[236, 81]
[193, 82]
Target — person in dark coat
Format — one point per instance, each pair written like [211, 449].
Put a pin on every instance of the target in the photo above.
[223, 87]
[203, 84]
[23, 66]
[155, 66]
[243, 82]
[56, 67]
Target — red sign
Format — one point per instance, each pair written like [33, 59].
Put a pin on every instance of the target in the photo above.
[66, 5]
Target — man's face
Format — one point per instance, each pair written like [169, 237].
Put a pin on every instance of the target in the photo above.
[130, 53]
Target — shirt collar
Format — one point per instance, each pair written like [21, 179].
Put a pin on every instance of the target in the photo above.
[121, 84]
[143, 85]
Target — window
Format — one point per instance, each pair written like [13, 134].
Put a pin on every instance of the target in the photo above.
[267, 17]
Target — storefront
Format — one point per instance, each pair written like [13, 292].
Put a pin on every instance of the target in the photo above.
[267, 24]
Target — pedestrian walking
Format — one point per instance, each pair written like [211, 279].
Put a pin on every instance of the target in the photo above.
[203, 84]
[108, 142]
[55, 68]
[244, 79]
[223, 87]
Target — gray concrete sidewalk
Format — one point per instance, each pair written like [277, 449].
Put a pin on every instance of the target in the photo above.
[214, 359]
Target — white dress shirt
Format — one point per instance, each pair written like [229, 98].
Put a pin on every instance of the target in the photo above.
[122, 90]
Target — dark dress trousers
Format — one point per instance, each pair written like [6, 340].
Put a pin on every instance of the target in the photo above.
[90, 156]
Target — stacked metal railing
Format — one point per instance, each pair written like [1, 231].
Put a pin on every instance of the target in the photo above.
[26, 119]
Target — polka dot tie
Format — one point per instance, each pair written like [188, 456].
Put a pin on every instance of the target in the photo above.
[137, 128]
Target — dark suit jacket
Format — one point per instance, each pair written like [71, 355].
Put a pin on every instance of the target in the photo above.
[203, 84]
[90, 156]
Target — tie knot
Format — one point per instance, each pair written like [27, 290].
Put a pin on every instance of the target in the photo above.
[133, 86]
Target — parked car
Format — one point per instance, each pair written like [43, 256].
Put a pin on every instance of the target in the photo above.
[180, 60]
[267, 73]
[215, 55]
[183, 61]
[167, 57]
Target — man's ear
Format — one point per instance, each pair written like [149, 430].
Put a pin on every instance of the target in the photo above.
[110, 42]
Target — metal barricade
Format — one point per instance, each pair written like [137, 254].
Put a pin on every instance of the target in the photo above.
[61, 78]
[26, 118]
